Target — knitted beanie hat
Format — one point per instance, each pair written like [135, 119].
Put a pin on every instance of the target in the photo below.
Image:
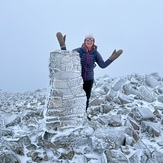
[90, 35]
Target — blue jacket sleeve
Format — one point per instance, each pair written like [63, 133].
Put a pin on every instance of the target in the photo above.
[99, 60]
[79, 50]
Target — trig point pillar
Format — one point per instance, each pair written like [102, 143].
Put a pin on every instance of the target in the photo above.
[66, 102]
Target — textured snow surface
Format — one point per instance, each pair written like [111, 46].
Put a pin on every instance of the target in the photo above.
[126, 125]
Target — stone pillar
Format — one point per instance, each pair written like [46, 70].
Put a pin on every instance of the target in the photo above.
[66, 102]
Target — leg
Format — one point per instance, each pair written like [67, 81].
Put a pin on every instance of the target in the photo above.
[87, 86]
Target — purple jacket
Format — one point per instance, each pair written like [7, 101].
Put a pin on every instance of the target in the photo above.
[88, 59]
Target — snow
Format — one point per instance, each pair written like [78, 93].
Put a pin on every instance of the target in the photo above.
[31, 108]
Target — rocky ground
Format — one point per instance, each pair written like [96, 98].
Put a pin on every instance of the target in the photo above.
[126, 125]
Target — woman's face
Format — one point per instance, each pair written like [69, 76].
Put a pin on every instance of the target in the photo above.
[89, 42]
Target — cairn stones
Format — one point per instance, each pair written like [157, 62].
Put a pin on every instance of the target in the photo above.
[66, 103]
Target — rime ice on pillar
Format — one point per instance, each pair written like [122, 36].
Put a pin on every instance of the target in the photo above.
[66, 103]
[1, 128]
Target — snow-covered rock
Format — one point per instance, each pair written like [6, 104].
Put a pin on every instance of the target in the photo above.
[126, 120]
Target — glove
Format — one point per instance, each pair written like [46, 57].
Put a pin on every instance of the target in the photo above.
[115, 54]
[61, 40]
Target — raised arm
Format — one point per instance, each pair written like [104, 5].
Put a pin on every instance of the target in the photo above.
[104, 64]
[99, 60]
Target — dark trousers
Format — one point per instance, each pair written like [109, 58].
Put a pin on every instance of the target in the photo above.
[87, 86]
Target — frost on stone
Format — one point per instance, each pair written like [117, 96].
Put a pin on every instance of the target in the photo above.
[128, 89]
[49, 126]
[111, 95]
[151, 81]
[109, 138]
[140, 114]
[115, 120]
[140, 156]
[66, 102]
[118, 84]
[125, 99]
[160, 98]
[152, 128]
[116, 156]
[146, 94]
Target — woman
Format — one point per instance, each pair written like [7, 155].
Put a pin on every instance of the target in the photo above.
[89, 56]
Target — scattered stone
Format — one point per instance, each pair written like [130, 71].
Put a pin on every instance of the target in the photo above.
[146, 94]
[140, 114]
[115, 156]
[51, 125]
[152, 128]
[118, 84]
[151, 81]
[114, 120]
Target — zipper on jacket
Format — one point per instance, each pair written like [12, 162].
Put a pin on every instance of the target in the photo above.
[87, 62]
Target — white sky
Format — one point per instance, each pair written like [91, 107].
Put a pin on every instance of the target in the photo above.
[28, 29]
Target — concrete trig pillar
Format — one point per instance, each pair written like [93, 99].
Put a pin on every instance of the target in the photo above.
[66, 102]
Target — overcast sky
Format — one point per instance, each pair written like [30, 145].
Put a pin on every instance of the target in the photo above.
[28, 35]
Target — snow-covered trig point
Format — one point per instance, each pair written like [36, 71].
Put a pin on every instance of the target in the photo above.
[66, 102]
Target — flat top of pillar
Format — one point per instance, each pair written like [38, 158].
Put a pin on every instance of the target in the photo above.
[64, 52]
